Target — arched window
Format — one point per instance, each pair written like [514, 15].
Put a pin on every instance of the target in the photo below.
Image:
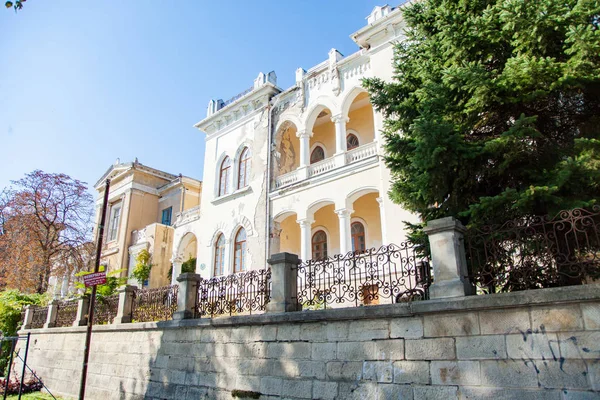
[224, 176]
[319, 245]
[358, 237]
[219, 265]
[239, 257]
[318, 154]
[351, 141]
[244, 168]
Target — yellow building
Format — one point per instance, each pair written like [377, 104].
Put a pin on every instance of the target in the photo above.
[143, 206]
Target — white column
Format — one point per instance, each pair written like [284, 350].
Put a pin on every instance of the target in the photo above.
[345, 232]
[378, 122]
[305, 245]
[304, 148]
[340, 133]
[381, 201]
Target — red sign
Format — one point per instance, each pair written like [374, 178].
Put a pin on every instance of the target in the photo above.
[98, 278]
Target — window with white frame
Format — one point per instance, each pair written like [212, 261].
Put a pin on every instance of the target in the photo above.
[113, 222]
[244, 168]
[224, 174]
[219, 261]
[239, 256]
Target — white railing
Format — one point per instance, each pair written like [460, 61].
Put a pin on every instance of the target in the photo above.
[138, 237]
[362, 152]
[355, 69]
[321, 167]
[286, 179]
[188, 215]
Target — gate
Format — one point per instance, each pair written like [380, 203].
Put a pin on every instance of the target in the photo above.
[13, 340]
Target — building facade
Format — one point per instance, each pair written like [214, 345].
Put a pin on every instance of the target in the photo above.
[298, 170]
[143, 205]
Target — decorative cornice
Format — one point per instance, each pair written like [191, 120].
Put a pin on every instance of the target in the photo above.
[238, 110]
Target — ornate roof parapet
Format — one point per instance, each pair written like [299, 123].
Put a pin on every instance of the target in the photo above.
[221, 114]
[384, 24]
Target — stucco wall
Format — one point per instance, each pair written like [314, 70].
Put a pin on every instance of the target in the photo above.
[241, 208]
[542, 344]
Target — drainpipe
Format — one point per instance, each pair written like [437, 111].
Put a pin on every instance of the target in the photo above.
[270, 107]
[182, 194]
[268, 185]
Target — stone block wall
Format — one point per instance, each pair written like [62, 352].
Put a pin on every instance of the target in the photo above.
[542, 344]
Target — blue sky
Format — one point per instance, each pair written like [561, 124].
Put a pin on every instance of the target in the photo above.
[86, 82]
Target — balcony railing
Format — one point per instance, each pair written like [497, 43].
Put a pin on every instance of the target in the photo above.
[286, 179]
[362, 152]
[187, 216]
[138, 237]
[322, 166]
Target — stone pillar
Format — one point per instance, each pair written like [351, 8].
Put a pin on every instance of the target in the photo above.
[305, 245]
[448, 258]
[381, 201]
[186, 298]
[176, 261]
[124, 312]
[284, 283]
[304, 148]
[345, 230]
[28, 317]
[274, 237]
[52, 314]
[83, 307]
[340, 132]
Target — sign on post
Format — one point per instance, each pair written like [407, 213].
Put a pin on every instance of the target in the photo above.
[97, 278]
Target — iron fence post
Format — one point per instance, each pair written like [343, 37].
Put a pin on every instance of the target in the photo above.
[10, 361]
[24, 365]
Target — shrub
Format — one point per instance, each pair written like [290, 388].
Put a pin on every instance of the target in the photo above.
[11, 303]
[189, 265]
[30, 384]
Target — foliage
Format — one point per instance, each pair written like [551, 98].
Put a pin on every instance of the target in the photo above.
[11, 304]
[113, 281]
[34, 396]
[141, 270]
[494, 109]
[189, 265]
[45, 221]
[17, 4]
[30, 384]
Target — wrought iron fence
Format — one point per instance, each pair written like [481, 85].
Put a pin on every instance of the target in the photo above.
[396, 273]
[105, 309]
[40, 315]
[66, 313]
[241, 293]
[157, 304]
[535, 252]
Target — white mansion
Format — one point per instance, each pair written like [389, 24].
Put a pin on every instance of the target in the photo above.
[296, 170]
